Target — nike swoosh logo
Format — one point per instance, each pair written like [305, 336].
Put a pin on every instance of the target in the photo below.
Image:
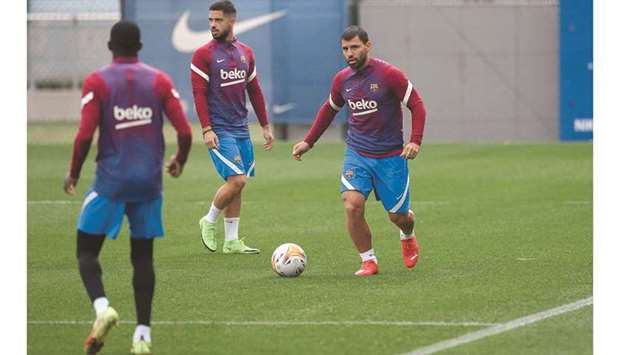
[347, 90]
[220, 60]
[280, 109]
[186, 40]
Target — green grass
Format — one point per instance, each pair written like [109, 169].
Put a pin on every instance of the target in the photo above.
[505, 231]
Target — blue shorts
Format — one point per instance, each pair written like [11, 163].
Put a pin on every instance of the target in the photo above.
[389, 177]
[100, 215]
[235, 156]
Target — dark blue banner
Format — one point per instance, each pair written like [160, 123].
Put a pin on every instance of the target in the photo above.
[296, 43]
[576, 70]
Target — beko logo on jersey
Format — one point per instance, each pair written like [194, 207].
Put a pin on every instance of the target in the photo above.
[132, 116]
[233, 74]
[134, 112]
[369, 106]
[362, 104]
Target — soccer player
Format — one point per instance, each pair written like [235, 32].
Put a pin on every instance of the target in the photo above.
[375, 158]
[127, 101]
[221, 72]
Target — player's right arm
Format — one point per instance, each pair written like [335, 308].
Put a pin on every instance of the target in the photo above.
[199, 69]
[92, 96]
[323, 119]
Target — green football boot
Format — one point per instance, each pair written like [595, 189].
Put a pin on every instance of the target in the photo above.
[238, 247]
[207, 232]
[104, 322]
[141, 347]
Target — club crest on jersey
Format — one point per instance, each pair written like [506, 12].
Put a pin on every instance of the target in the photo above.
[349, 174]
[237, 159]
[242, 59]
[374, 87]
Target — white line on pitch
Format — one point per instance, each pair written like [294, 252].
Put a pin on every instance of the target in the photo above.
[500, 328]
[429, 202]
[54, 202]
[281, 323]
[579, 202]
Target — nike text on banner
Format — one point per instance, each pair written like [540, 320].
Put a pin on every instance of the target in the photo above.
[199, 72]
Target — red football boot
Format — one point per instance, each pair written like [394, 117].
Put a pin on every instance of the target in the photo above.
[369, 268]
[411, 252]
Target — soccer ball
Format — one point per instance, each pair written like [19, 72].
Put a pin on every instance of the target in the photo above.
[288, 260]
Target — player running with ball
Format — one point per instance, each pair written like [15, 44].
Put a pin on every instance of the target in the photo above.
[375, 158]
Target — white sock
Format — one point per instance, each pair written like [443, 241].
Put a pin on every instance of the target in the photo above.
[101, 304]
[142, 331]
[231, 228]
[404, 236]
[214, 212]
[368, 255]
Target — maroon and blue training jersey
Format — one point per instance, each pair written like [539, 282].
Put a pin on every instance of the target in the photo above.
[373, 96]
[126, 101]
[221, 72]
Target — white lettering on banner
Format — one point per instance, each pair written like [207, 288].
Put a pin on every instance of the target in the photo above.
[233, 74]
[582, 125]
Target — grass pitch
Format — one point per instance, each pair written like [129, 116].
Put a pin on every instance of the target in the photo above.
[505, 231]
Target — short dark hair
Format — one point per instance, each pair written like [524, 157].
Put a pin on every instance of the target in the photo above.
[354, 31]
[125, 37]
[227, 7]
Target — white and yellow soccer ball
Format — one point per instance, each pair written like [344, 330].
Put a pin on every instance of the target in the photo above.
[288, 260]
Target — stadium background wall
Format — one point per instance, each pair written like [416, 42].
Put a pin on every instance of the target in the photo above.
[492, 70]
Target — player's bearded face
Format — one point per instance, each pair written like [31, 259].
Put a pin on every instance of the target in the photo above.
[220, 24]
[355, 52]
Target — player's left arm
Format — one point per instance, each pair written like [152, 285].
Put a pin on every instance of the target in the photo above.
[174, 111]
[258, 102]
[408, 95]
[92, 92]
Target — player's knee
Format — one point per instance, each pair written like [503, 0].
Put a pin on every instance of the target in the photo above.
[237, 182]
[141, 252]
[353, 207]
[398, 219]
[86, 259]
[141, 259]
